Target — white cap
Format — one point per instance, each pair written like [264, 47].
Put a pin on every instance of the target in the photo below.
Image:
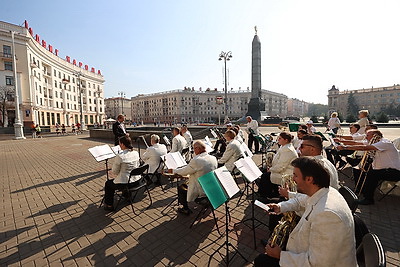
[310, 122]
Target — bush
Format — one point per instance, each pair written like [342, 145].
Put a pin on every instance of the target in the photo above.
[382, 117]
[351, 118]
[314, 118]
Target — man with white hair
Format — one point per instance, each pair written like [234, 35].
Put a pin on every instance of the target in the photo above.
[153, 154]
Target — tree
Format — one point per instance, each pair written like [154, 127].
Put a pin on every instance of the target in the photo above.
[382, 117]
[317, 110]
[6, 94]
[351, 118]
[352, 107]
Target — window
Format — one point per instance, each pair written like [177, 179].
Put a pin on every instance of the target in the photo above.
[9, 80]
[7, 50]
[55, 73]
[55, 84]
[59, 75]
[8, 65]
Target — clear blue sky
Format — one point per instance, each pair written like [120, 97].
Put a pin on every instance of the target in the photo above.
[153, 46]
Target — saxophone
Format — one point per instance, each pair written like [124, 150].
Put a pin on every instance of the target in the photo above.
[280, 235]
[365, 164]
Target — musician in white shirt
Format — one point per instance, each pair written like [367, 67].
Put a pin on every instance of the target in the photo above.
[232, 152]
[153, 154]
[252, 130]
[187, 135]
[178, 142]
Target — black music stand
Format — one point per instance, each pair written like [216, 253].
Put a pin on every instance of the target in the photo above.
[172, 201]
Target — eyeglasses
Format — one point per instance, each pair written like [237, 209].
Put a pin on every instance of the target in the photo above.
[303, 145]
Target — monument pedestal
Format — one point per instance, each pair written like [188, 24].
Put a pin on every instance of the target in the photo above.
[255, 106]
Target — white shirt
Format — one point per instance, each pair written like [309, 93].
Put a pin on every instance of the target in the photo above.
[363, 123]
[281, 163]
[152, 156]
[124, 163]
[334, 123]
[387, 156]
[252, 125]
[188, 137]
[357, 136]
[178, 143]
[197, 167]
[324, 235]
[231, 154]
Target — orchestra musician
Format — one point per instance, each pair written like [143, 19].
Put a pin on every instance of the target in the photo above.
[220, 144]
[252, 130]
[233, 151]
[268, 185]
[297, 141]
[153, 154]
[178, 141]
[310, 127]
[187, 135]
[385, 164]
[324, 236]
[239, 134]
[201, 164]
[124, 163]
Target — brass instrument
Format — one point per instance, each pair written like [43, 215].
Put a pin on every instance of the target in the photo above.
[280, 235]
[366, 163]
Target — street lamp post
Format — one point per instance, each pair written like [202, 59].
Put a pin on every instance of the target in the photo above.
[226, 56]
[122, 97]
[19, 132]
[78, 75]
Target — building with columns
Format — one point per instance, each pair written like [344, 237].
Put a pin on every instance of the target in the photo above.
[190, 105]
[51, 89]
[373, 99]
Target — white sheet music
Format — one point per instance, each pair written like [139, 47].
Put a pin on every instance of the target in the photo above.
[166, 140]
[227, 181]
[332, 141]
[261, 205]
[101, 153]
[248, 168]
[208, 143]
[116, 149]
[174, 160]
[245, 149]
[213, 133]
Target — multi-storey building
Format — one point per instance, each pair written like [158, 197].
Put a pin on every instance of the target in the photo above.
[296, 107]
[190, 105]
[373, 99]
[118, 105]
[51, 89]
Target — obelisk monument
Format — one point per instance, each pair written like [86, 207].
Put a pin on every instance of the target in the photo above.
[256, 104]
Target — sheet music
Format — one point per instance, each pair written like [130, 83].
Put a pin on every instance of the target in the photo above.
[261, 205]
[101, 153]
[213, 133]
[174, 160]
[208, 143]
[144, 141]
[248, 168]
[245, 149]
[332, 141]
[166, 140]
[227, 181]
[116, 149]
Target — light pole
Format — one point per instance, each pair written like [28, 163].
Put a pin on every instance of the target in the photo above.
[78, 75]
[122, 96]
[226, 56]
[19, 131]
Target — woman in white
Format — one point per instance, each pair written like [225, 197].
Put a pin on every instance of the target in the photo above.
[363, 120]
[334, 123]
[271, 180]
[124, 163]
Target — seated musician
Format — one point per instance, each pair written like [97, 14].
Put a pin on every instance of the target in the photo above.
[124, 163]
[178, 142]
[269, 182]
[324, 236]
[237, 137]
[187, 135]
[232, 152]
[239, 134]
[220, 144]
[385, 165]
[201, 164]
[153, 154]
[297, 141]
[310, 127]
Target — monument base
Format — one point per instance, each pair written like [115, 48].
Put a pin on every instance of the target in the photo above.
[255, 106]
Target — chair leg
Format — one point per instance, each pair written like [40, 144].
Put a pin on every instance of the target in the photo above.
[201, 212]
[151, 201]
[388, 192]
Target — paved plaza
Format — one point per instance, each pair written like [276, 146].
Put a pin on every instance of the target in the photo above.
[51, 189]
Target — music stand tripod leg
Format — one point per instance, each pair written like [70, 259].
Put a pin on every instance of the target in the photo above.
[102, 200]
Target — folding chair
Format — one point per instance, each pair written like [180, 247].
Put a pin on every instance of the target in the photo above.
[360, 229]
[130, 190]
[390, 184]
[205, 206]
[350, 197]
[156, 174]
[371, 253]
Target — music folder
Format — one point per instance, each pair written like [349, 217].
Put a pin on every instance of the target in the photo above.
[219, 186]
[174, 160]
[213, 133]
[116, 149]
[166, 140]
[208, 143]
[102, 152]
[248, 169]
[245, 149]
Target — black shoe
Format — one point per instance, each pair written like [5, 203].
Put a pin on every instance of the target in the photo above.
[108, 208]
[185, 211]
[264, 242]
[365, 201]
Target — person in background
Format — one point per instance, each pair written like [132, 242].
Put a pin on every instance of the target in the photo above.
[119, 129]
[363, 120]
[297, 142]
[63, 129]
[38, 131]
[178, 142]
[310, 127]
[73, 130]
[124, 163]
[33, 130]
[252, 130]
[334, 123]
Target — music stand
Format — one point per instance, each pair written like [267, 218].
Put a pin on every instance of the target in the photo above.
[249, 170]
[219, 186]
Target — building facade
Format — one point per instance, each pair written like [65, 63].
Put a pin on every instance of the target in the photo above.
[118, 105]
[296, 107]
[374, 100]
[51, 89]
[191, 106]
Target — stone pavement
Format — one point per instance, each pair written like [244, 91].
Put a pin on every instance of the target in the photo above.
[51, 189]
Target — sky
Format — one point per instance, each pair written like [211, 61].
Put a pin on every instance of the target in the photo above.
[156, 45]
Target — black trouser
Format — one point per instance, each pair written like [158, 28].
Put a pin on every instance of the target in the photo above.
[334, 155]
[182, 195]
[250, 143]
[220, 143]
[266, 188]
[110, 188]
[263, 260]
[373, 178]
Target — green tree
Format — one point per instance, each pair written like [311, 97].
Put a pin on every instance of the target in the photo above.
[317, 110]
[340, 116]
[351, 118]
[382, 117]
[352, 107]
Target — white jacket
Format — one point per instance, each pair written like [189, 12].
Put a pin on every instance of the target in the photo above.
[252, 125]
[281, 163]
[124, 163]
[324, 235]
[231, 154]
[178, 144]
[197, 167]
[152, 156]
